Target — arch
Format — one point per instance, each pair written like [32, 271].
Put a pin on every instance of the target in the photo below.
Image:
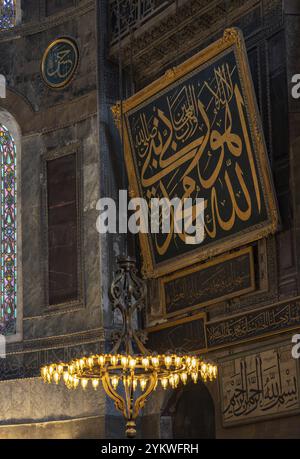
[10, 128]
[191, 413]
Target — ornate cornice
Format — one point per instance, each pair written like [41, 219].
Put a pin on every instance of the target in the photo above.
[156, 45]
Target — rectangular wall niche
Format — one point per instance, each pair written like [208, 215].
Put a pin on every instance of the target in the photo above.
[63, 229]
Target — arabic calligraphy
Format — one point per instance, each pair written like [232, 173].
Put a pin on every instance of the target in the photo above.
[194, 141]
[179, 336]
[257, 323]
[260, 384]
[219, 281]
[60, 62]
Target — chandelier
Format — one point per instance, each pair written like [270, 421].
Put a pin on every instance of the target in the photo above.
[129, 373]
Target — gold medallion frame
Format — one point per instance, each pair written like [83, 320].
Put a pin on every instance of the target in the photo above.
[232, 38]
[197, 268]
[73, 44]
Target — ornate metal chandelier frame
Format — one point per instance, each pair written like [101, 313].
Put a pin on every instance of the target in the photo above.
[129, 373]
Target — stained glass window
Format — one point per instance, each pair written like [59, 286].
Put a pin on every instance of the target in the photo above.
[8, 232]
[7, 14]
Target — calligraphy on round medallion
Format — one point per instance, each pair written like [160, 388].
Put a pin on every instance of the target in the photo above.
[60, 62]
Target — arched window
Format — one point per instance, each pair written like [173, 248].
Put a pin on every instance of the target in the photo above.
[8, 232]
[8, 14]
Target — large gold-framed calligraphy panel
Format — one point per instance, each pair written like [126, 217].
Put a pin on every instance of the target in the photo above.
[196, 133]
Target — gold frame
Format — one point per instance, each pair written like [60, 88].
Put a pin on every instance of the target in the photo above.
[172, 323]
[71, 42]
[196, 268]
[231, 38]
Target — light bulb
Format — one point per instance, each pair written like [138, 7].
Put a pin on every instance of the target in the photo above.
[115, 382]
[66, 376]
[164, 382]
[44, 372]
[71, 369]
[75, 382]
[168, 361]
[143, 384]
[60, 369]
[124, 361]
[84, 383]
[95, 383]
[134, 384]
[90, 362]
[172, 381]
[145, 363]
[178, 361]
[155, 362]
[176, 379]
[132, 363]
[114, 360]
[194, 376]
[184, 378]
[81, 363]
[51, 370]
[101, 360]
[194, 362]
[56, 377]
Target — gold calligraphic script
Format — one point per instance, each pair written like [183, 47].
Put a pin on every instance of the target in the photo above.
[196, 133]
[264, 384]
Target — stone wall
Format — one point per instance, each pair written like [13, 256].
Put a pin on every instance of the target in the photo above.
[52, 121]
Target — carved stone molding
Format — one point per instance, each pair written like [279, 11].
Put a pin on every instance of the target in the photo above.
[153, 46]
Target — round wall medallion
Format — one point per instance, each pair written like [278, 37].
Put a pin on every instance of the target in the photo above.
[60, 62]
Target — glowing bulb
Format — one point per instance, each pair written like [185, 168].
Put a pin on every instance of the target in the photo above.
[172, 381]
[75, 382]
[164, 383]
[143, 384]
[155, 362]
[194, 362]
[115, 382]
[90, 362]
[178, 361]
[168, 361]
[176, 379]
[203, 367]
[134, 384]
[194, 376]
[124, 361]
[51, 370]
[56, 377]
[184, 378]
[66, 376]
[132, 363]
[95, 383]
[44, 372]
[114, 360]
[81, 363]
[60, 369]
[145, 363]
[71, 369]
[101, 360]
[84, 383]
